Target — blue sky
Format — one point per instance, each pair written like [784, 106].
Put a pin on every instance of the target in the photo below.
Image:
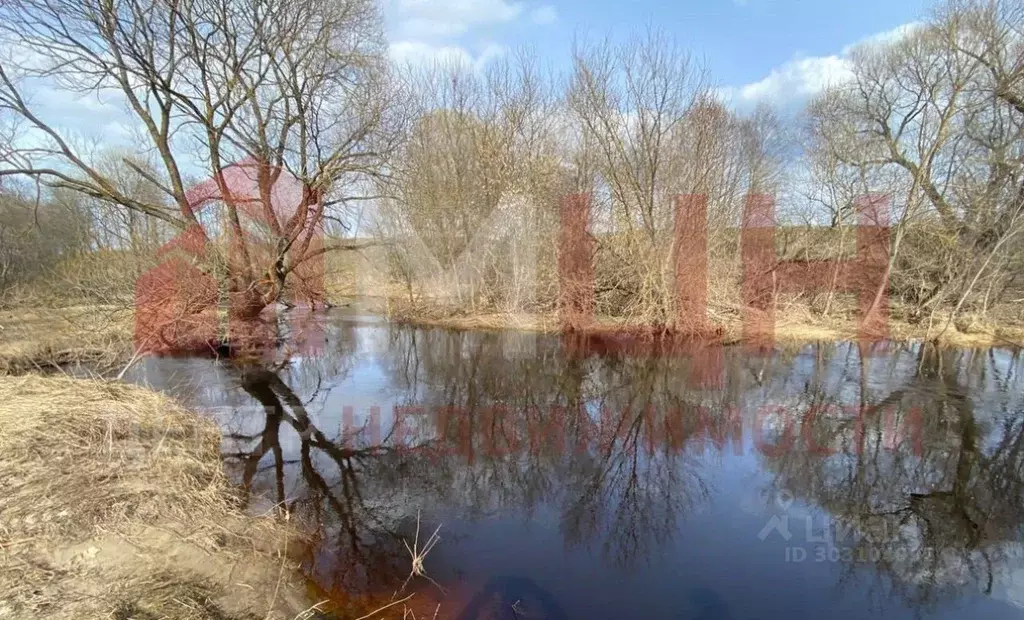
[779, 51]
[789, 48]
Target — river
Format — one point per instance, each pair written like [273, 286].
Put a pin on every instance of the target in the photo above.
[825, 481]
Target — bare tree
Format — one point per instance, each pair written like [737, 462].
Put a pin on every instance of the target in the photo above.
[34, 239]
[931, 119]
[470, 186]
[649, 129]
[256, 90]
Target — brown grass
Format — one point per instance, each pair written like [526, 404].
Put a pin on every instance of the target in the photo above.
[115, 505]
[795, 325]
[41, 337]
[484, 321]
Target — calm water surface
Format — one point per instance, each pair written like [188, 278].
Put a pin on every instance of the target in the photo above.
[827, 481]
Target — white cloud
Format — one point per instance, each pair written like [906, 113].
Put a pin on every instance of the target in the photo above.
[544, 15]
[418, 52]
[455, 31]
[89, 116]
[488, 53]
[797, 80]
[421, 53]
[445, 18]
[884, 38]
[430, 28]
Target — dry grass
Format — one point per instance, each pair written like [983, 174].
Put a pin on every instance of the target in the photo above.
[115, 505]
[795, 325]
[39, 337]
[404, 313]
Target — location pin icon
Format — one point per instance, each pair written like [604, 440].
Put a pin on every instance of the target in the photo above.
[784, 499]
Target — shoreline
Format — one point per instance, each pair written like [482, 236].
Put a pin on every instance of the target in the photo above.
[44, 339]
[786, 333]
[146, 520]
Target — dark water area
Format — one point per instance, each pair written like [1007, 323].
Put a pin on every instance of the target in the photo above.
[828, 481]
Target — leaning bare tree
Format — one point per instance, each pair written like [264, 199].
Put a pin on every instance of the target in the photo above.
[248, 95]
[936, 120]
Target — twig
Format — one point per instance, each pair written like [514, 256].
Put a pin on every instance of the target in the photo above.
[131, 362]
[418, 556]
[308, 613]
[391, 604]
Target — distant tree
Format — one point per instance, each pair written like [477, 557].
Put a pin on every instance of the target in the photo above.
[478, 156]
[34, 238]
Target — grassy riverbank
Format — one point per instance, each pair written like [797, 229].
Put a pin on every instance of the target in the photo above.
[115, 505]
[40, 337]
[792, 328]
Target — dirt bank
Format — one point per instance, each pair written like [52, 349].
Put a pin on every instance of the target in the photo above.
[114, 505]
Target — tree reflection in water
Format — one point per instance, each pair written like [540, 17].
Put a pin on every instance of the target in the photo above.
[937, 511]
[619, 446]
[594, 437]
[357, 533]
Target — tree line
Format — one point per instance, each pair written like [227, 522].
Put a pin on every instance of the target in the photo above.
[459, 173]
